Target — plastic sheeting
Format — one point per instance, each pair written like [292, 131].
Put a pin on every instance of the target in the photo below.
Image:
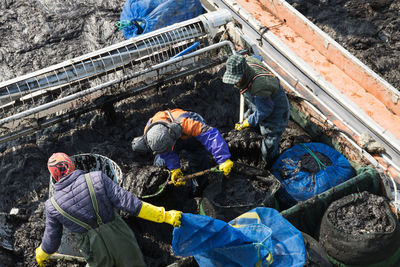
[143, 16]
[300, 185]
[249, 240]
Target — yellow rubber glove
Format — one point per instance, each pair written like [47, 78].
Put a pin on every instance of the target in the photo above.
[158, 214]
[226, 167]
[175, 175]
[42, 257]
[173, 217]
[243, 125]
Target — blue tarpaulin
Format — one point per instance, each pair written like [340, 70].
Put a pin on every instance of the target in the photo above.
[256, 238]
[142, 16]
[299, 184]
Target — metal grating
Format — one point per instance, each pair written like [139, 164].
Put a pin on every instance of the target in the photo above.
[73, 87]
[77, 74]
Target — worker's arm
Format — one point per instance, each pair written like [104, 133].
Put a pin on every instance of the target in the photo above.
[121, 198]
[171, 160]
[194, 125]
[158, 214]
[213, 141]
[51, 238]
[52, 233]
[127, 202]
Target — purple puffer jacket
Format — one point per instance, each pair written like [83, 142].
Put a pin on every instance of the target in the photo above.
[72, 195]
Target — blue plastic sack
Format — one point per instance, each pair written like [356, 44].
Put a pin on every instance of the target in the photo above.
[214, 242]
[302, 185]
[288, 247]
[248, 240]
[143, 16]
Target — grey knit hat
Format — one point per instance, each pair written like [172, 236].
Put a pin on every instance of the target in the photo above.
[159, 139]
[235, 67]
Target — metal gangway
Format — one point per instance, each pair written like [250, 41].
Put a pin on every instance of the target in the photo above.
[62, 91]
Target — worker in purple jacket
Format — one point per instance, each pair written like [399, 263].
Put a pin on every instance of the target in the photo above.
[85, 204]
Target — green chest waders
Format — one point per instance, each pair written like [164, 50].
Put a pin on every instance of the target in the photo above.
[110, 244]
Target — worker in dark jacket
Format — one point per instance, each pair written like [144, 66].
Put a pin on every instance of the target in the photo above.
[85, 204]
[267, 101]
[170, 131]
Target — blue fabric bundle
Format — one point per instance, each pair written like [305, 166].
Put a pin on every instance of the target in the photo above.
[143, 16]
[258, 237]
[300, 185]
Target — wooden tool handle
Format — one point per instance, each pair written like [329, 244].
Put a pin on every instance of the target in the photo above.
[193, 175]
[58, 256]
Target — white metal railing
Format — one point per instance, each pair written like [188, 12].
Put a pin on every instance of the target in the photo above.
[111, 63]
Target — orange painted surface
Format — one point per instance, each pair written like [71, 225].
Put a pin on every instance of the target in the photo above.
[333, 54]
[356, 91]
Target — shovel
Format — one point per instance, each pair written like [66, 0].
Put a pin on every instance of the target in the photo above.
[162, 187]
[196, 174]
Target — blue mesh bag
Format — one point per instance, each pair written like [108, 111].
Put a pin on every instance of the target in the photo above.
[143, 16]
[306, 170]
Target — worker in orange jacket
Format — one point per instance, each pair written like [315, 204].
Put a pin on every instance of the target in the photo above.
[170, 131]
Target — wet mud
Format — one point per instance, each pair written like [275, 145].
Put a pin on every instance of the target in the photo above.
[366, 28]
[245, 146]
[145, 180]
[239, 190]
[25, 178]
[37, 34]
[307, 164]
[366, 215]
[246, 188]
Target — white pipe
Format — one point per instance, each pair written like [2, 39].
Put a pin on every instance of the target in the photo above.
[241, 109]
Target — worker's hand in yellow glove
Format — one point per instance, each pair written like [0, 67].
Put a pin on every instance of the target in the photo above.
[42, 257]
[226, 167]
[173, 217]
[243, 125]
[175, 175]
[158, 214]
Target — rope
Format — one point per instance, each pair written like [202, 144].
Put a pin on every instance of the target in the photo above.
[160, 189]
[320, 163]
[138, 23]
[259, 245]
[216, 170]
[122, 24]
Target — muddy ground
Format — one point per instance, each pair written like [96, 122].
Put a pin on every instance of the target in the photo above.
[306, 164]
[36, 34]
[25, 178]
[367, 28]
[366, 215]
[250, 193]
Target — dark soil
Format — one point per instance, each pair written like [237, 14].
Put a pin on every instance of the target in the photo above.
[316, 255]
[307, 164]
[239, 190]
[245, 146]
[25, 178]
[293, 135]
[246, 188]
[367, 28]
[145, 180]
[364, 216]
[40, 33]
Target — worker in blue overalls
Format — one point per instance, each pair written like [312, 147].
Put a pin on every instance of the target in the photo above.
[266, 99]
